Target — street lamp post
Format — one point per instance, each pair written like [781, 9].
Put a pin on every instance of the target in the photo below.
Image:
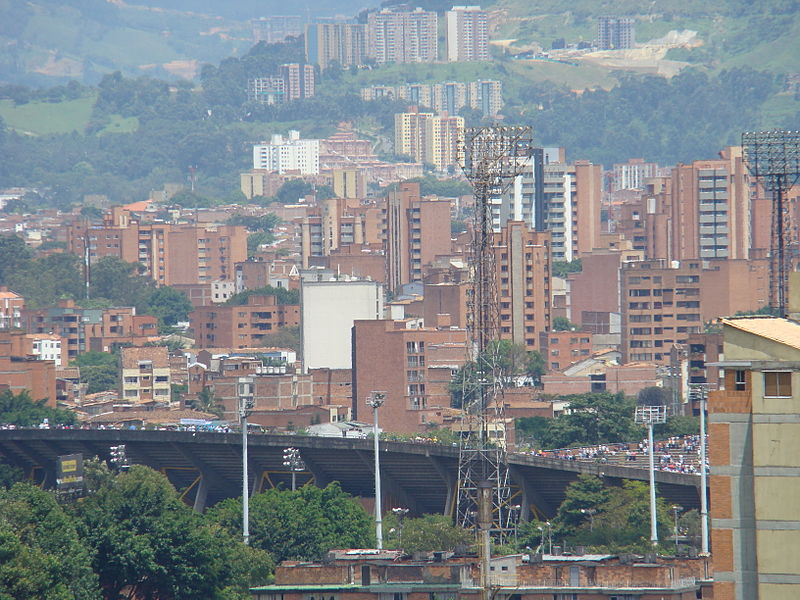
[292, 459]
[515, 511]
[119, 457]
[375, 401]
[591, 512]
[548, 528]
[400, 513]
[650, 416]
[246, 391]
[701, 390]
[549, 537]
[676, 511]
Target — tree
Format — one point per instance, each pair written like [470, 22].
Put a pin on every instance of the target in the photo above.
[14, 256]
[41, 555]
[293, 190]
[623, 520]
[100, 370]
[530, 430]
[20, 409]
[9, 475]
[654, 396]
[285, 337]
[535, 367]
[606, 518]
[258, 239]
[150, 544]
[562, 268]
[207, 401]
[563, 324]
[120, 282]
[593, 418]
[168, 304]
[427, 533]
[282, 295]
[43, 281]
[188, 199]
[265, 222]
[678, 425]
[300, 525]
[586, 493]
[502, 363]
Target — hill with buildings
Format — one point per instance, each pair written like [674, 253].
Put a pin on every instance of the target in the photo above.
[47, 42]
[717, 34]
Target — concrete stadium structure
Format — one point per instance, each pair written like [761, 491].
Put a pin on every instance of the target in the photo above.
[206, 467]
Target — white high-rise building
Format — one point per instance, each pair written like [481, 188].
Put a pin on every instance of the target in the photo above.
[328, 310]
[402, 36]
[553, 195]
[282, 155]
[467, 34]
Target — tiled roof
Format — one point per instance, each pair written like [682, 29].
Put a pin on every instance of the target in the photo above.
[776, 329]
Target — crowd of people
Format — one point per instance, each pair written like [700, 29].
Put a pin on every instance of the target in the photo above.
[677, 454]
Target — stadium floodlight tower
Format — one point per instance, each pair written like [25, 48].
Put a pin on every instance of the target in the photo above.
[773, 158]
[491, 157]
[651, 416]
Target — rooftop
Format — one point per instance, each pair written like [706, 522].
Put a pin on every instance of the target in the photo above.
[776, 329]
[158, 355]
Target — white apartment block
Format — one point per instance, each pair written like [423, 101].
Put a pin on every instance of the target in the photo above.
[450, 96]
[328, 310]
[282, 155]
[396, 36]
[556, 196]
[266, 90]
[632, 174]
[46, 347]
[467, 34]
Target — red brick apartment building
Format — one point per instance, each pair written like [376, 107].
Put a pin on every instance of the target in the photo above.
[412, 364]
[380, 574]
[415, 231]
[171, 254]
[338, 222]
[241, 326]
[564, 348]
[85, 329]
[522, 265]
[708, 209]
[20, 371]
[663, 303]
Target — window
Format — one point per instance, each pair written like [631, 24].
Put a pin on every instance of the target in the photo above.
[740, 381]
[777, 384]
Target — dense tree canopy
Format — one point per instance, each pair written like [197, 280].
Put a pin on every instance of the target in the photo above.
[145, 540]
[427, 533]
[282, 295]
[503, 363]
[20, 409]
[300, 525]
[41, 554]
[99, 370]
[593, 418]
[605, 518]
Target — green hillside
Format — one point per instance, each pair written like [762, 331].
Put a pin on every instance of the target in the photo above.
[40, 118]
[762, 35]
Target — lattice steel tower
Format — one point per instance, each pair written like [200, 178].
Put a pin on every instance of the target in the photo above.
[491, 158]
[773, 158]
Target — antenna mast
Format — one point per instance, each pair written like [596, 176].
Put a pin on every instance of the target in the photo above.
[491, 158]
